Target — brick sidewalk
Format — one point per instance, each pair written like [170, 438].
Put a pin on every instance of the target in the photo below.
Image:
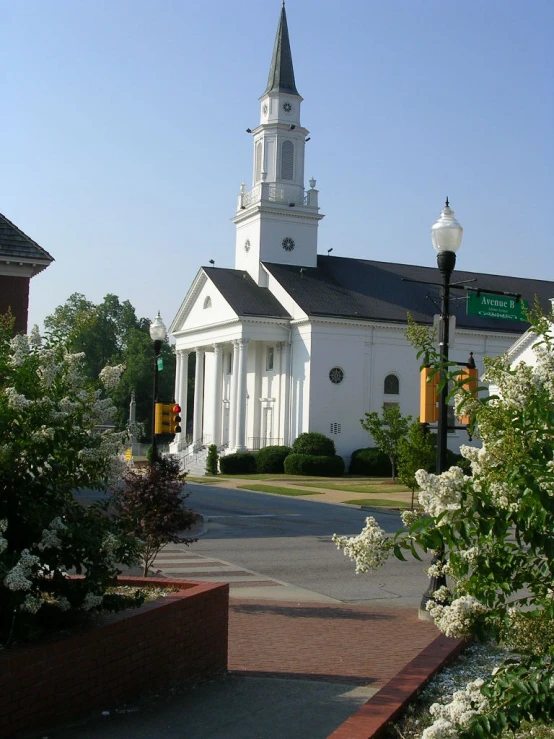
[342, 643]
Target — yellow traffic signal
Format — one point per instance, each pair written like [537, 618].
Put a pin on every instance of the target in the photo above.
[162, 418]
[428, 398]
[175, 419]
[468, 379]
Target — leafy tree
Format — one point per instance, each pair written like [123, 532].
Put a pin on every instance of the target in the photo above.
[387, 430]
[417, 450]
[494, 530]
[111, 333]
[149, 506]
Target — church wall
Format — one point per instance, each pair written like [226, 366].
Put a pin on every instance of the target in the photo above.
[366, 355]
[200, 315]
[302, 231]
[300, 385]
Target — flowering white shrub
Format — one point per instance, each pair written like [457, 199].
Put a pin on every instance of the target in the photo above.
[492, 532]
[50, 446]
[369, 549]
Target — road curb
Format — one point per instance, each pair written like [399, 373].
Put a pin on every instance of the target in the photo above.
[370, 720]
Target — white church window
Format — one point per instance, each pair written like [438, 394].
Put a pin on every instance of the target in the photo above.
[392, 385]
[335, 428]
[229, 363]
[287, 160]
[336, 375]
[388, 406]
[258, 161]
[247, 245]
[269, 358]
[207, 302]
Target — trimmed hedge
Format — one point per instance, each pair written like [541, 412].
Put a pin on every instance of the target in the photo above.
[371, 462]
[314, 464]
[242, 463]
[271, 459]
[315, 444]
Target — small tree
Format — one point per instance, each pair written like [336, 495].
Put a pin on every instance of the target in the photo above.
[150, 506]
[387, 431]
[211, 460]
[416, 451]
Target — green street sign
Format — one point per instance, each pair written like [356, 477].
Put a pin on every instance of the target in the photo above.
[160, 361]
[495, 306]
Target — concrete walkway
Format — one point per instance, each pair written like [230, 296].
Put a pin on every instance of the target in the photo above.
[301, 666]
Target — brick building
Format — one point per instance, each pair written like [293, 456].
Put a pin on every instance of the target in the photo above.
[20, 259]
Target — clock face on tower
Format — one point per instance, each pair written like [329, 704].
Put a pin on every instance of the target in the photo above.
[287, 107]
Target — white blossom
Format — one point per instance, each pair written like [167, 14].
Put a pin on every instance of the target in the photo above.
[91, 601]
[34, 338]
[369, 549]
[16, 401]
[62, 603]
[18, 577]
[111, 375]
[457, 714]
[457, 618]
[441, 493]
[19, 346]
[31, 604]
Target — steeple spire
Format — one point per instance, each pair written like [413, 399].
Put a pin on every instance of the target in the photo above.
[281, 72]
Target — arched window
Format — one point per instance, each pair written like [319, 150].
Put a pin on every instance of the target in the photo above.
[207, 302]
[392, 385]
[287, 160]
[258, 161]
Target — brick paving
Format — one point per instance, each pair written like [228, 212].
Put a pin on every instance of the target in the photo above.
[337, 642]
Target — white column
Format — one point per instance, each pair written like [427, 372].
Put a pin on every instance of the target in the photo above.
[241, 396]
[233, 398]
[198, 397]
[218, 386]
[182, 392]
[286, 399]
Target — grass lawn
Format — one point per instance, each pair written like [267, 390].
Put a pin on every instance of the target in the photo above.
[277, 490]
[383, 487]
[378, 502]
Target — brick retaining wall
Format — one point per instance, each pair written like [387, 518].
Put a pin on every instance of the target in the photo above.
[182, 636]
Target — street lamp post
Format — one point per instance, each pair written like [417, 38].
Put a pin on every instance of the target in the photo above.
[446, 235]
[158, 334]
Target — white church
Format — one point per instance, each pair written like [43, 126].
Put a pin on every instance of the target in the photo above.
[291, 340]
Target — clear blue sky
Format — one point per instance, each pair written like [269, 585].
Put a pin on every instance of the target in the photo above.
[124, 146]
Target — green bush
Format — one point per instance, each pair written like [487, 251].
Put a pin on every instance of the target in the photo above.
[271, 459]
[371, 462]
[314, 464]
[242, 463]
[315, 444]
[211, 460]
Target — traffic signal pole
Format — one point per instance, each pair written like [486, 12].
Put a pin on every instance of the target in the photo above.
[157, 348]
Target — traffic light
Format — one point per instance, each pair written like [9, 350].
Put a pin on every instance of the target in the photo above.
[175, 419]
[162, 418]
[428, 398]
[468, 379]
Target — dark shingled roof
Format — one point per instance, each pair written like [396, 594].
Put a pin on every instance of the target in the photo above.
[361, 289]
[243, 295]
[17, 245]
[281, 72]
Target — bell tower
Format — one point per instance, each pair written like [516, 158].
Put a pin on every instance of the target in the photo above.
[277, 220]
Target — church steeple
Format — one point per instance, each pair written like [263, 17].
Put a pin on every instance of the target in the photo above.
[277, 220]
[281, 72]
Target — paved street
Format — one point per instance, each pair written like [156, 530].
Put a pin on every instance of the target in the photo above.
[284, 539]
